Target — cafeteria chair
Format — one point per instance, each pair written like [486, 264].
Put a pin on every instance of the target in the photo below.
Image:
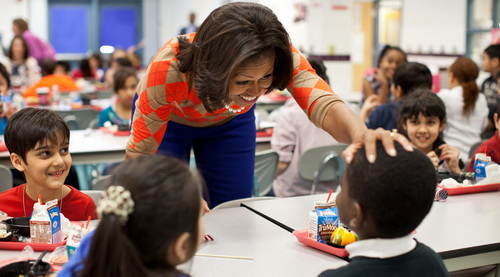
[266, 165]
[79, 119]
[322, 164]
[474, 147]
[101, 182]
[96, 195]
[6, 180]
[238, 202]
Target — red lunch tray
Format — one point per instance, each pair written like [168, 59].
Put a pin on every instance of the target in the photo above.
[11, 245]
[472, 189]
[265, 133]
[116, 133]
[302, 236]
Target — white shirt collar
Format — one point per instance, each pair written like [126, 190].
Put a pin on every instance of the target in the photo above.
[381, 248]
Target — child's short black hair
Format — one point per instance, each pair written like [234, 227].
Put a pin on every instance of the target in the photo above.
[30, 126]
[320, 68]
[412, 75]
[65, 66]
[121, 76]
[396, 192]
[5, 74]
[47, 66]
[493, 51]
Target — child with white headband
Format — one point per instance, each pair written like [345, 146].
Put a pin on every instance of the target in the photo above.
[150, 222]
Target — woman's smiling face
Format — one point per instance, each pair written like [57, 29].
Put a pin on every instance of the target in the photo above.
[250, 81]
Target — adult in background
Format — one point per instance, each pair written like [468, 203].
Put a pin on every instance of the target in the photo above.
[191, 27]
[38, 48]
[22, 67]
[200, 89]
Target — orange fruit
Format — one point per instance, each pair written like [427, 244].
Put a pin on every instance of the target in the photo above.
[348, 238]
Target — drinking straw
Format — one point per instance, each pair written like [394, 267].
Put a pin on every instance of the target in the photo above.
[88, 222]
[330, 194]
[39, 199]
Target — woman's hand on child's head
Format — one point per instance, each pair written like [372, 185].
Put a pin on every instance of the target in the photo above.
[369, 140]
[452, 157]
[434, 158]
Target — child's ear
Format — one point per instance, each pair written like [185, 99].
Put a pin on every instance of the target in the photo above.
[357, 216]
[179, 250]
[495, 120]
[495, 61]
[17, 162]
[398, 92]
[441, 126]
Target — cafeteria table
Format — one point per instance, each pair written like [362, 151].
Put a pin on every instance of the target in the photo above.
[464, 230]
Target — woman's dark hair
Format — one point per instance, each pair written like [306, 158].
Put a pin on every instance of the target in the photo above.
[466, 72]
[425, 102]
[167, 198]
[386, 50]
[395, 192]
[232, 35]
[121, 76]
[26, 52]
[5, 74]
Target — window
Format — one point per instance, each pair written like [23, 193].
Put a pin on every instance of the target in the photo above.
[482, 18]
[80, 27]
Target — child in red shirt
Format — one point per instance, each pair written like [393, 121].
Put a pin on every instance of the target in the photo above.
[490, 147]
[38, 142]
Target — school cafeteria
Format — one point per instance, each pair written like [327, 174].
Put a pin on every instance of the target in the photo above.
[250, 138]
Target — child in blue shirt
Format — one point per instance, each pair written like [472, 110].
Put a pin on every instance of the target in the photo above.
[124, 85]
[407, 77]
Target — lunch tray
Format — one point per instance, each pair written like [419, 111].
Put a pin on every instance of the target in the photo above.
[472, 189]
[12, 245]
[302, 236]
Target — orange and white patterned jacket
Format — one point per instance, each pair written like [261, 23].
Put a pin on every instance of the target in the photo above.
[163, 95]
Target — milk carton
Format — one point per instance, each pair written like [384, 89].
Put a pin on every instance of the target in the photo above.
[45, 223]
[323, 220]
[480, 163]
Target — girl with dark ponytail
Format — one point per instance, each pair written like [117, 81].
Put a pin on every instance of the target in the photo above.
[150, 222]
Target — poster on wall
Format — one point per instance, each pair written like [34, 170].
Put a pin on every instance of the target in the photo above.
[300, 12]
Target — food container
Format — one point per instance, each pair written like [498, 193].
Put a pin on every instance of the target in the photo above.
[18, 225]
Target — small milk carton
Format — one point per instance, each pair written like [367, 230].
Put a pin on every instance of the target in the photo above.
[75, 237]
[45, 223]
[480, 163]
[323, 220]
